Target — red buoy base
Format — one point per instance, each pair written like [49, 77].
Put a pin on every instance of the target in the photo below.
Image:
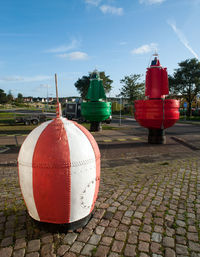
[157, 113]
[156, 136]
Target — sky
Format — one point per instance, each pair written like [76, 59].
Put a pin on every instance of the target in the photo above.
[73, 37]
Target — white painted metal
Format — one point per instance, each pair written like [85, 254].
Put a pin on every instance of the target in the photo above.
[25, 168]
[83, 171]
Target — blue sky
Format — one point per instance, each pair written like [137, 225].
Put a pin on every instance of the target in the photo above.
[73, 37]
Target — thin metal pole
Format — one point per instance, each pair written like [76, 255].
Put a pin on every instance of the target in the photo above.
[58, 109]
[120, 113]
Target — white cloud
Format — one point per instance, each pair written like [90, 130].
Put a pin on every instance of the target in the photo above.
[111, 9]
[182, 38]
[145, 49]
[74, 56]
[63, 48]
[151, 1]
[25, 79]
[93, 2]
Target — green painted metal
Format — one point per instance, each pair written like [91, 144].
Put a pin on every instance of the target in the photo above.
[96, 90]
[95, 109]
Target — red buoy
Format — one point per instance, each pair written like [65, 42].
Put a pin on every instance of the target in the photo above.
[156, 113]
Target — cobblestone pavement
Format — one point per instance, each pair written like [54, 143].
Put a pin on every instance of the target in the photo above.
[142, 210]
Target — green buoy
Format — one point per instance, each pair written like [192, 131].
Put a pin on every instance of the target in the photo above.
[96, 109]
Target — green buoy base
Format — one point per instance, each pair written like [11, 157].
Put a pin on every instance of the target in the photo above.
[95, 126]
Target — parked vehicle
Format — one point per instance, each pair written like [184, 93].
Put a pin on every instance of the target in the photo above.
[73, 112]
[28, 120]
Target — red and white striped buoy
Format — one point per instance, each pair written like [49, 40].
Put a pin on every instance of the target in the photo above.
[59, 172]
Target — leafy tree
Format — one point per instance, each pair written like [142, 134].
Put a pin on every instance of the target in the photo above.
[132, 88]
[19, 98]
[83, 83]
[186, 81]
[9, 96]
[3, 97]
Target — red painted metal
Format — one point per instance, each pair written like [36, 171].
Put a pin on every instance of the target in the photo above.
[156, 112]
[51, 181]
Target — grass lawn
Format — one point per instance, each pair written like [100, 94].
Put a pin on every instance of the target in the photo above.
[8, 127]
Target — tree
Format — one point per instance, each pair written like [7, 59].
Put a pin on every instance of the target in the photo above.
[83, 83]
[186, 81]
[3, 97]
[131, 88]
[19, 98]
[9, 97]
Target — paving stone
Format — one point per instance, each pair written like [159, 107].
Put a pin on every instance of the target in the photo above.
[7, 241]
[147, 228]
[130, 250]
[112, 254]
[156, 237]
[20, 234]
[112, 209]
[193, 254]
[70, 238]
[155, 247]
[99, 213]
[20, 243]
[62, 249]
[181, 249]
[33, 246]
[77, 247]
[94, 240]
[132, 238]
[170, 252]
[102, 251]
[192, 229]
[47, 249]
[143, 247]
[128, 214]
[123, 227]
[84, 235]
[99, 230]
[70, 254]
[181, 231]
[168, 242]
[158, 229]
[144, 255]
[194, 246]
[180, 223]
[181, 240]
[120, 235]
[92, 223]
[6, 252]
[88, 249]
[109, 231]
[114, 223]
[193, 236]
[34, 254]
[117, 246]
[118, 215]
[106, 240]
[144, 237]
[104, 222]
[170, 232]
[19, 253]
[126, 220]
[47, 239]
[108, 215]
